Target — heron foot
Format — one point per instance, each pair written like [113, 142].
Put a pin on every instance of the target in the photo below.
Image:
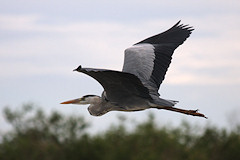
[195, 113]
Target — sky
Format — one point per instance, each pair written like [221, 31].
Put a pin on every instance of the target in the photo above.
[41, 42]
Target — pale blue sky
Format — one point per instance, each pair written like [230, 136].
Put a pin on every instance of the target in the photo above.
[41, 42]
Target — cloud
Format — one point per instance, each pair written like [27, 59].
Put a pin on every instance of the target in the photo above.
[18, 22]
[41, 42]
[213, 47]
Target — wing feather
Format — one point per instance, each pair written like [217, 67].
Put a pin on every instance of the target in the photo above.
[119, 86]
[150, 58]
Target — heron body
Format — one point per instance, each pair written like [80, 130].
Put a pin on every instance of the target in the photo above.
[136, 87]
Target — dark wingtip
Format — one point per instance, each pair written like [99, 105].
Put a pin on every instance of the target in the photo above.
[188, 27]
[78, 69]
[178, 23]
[181, 26]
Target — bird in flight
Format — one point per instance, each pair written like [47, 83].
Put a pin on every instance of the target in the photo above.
[136, 87]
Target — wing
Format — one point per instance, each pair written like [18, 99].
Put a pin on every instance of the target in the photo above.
[118, 85]
[149, 59]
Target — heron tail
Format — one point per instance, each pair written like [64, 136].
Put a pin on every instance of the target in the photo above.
[157, 101]
[172, 101]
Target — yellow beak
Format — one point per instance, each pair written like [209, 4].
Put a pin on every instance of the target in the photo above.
[74, 101]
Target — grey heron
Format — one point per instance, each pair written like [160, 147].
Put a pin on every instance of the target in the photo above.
[136, 87]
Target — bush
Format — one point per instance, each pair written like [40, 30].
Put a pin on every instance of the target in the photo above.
[35, 135]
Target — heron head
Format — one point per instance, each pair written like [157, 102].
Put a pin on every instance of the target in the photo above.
[87, 99]
[97, 106]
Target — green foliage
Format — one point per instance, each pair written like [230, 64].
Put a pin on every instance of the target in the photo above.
[36, 135]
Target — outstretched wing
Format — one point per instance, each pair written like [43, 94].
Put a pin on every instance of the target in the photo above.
[119, 86]
[149, 59]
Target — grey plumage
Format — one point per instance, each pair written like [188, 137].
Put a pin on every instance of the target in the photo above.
[136, 87]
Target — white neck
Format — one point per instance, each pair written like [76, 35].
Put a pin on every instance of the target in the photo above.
[91, 100]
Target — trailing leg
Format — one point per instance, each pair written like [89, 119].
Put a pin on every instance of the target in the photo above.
[188, 112]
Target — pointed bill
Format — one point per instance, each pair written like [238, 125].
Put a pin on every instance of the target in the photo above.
[74, 101]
